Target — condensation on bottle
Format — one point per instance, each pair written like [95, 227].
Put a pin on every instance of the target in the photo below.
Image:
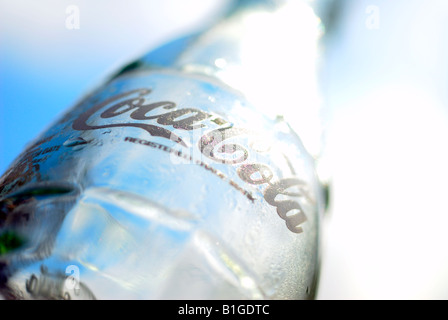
[190, 174]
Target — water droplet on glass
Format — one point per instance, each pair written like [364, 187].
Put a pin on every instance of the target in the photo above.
[221, 63]
[76, 143]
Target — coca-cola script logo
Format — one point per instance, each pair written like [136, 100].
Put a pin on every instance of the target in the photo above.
[162, 118]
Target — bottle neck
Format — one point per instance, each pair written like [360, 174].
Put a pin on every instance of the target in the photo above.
[266, 49]
[274, 40]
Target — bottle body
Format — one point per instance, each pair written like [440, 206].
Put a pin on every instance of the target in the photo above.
[170, 185]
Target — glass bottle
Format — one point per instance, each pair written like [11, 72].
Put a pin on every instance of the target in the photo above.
[180, 177]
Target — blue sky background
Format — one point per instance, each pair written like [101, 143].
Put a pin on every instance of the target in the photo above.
[386, 99]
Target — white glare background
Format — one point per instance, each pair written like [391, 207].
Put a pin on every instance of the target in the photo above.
[385, 89]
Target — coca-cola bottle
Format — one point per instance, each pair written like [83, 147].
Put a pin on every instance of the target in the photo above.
[190, 174]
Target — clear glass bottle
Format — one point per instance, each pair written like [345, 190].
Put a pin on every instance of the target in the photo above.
[179, 178]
